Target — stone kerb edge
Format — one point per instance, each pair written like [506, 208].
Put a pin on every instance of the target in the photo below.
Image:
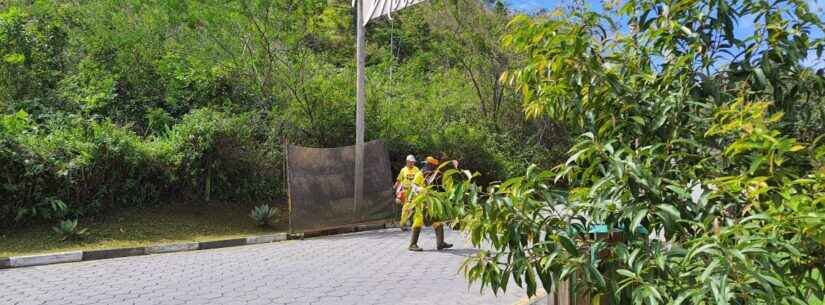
[263, 239]
[47, 259]
[76, 256]
[171, 248]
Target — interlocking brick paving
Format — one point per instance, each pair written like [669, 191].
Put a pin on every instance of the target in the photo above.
[361, 268]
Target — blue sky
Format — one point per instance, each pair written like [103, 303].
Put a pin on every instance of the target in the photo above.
[745, 24]
[532, 5]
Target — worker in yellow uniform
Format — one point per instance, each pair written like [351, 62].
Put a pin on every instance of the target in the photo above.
[424, 178]
[403, 187]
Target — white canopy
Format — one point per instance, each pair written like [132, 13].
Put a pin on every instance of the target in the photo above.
[374, 9]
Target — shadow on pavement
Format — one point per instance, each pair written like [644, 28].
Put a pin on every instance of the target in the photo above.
[377, 234]
[464, 252]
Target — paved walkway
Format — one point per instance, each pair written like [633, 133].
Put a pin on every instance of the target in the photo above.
[361, 268]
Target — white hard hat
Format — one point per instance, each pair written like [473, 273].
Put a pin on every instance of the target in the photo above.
[410, 158]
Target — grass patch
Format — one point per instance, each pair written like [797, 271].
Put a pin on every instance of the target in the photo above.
[143, 227]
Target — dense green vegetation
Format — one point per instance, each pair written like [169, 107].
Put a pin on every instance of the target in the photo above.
[109, 104]
[665, 115]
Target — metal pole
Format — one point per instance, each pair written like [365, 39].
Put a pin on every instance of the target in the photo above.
[286, 181]
[361, 97]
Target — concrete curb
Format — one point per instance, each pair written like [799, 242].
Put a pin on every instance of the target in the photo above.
[39, 260]
[112, 253]
[76, 256]
[222, 243]
[171, 248]
[263, 239]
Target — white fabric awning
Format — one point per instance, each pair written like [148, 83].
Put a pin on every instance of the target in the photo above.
[374, 9]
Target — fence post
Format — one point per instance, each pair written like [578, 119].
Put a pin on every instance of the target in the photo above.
[286, 181]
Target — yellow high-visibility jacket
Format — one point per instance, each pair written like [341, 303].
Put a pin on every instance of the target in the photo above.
[407, 176]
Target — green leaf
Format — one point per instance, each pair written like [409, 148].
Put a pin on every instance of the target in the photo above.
[772, 280]
[576, 156]
[626, 273]
[702, 248]
[530, 279]
[637, 219]
[670, 210]
[569, 245]
[709, 270]
[14, 58]
[596, 276]
[679, 191]
[682, 297]
[760, 75]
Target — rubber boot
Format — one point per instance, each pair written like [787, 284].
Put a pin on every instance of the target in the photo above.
[439, 239]
[414, 240]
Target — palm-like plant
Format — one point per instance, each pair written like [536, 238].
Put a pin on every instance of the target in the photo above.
[68, 230]
[265, 216]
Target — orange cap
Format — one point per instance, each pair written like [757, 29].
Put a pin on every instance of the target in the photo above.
[432, 161]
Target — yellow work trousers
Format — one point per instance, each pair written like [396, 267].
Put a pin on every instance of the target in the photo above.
[417, 212]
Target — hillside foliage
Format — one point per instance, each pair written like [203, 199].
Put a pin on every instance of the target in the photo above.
[109, 104]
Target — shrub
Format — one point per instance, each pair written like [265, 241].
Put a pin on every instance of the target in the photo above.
[16, 160]
[444, 121]
[265, 216]
[89, 165]
[72, 166]
[212, 153]
[68, 230]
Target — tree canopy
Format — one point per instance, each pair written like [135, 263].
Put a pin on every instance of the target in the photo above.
[699, 148]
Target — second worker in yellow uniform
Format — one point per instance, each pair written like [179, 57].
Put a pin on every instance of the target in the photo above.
[403, 187]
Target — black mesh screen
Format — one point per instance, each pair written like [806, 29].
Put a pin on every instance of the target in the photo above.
[321, 186]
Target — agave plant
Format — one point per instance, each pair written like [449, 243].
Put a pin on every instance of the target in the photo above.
[68, 230]
[265, 216]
